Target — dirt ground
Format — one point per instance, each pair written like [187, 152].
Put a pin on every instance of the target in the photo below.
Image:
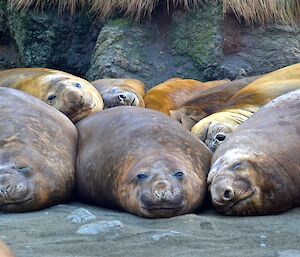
[79, 230]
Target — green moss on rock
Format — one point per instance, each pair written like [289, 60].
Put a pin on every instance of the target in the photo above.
[198, 35]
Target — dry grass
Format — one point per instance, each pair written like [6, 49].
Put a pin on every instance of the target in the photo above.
[261, 11]
[135, 9]
[265, 11]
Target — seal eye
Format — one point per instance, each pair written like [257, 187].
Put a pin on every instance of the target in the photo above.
[141, 176]
[77, 85]
[179, 175]
[236, 166]
[51, 98]
[25, 170]
[220, 137]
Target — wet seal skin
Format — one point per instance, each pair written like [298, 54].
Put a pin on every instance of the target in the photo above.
[73, 96]
[207, 102]
[257, 170]
[4, 250]
[145, 164]
[214, 129]
[170, 94]
[37, 153]
[120, 92]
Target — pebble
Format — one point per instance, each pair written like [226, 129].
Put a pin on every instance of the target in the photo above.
[166, 235]
[81, 215]
[101, 227]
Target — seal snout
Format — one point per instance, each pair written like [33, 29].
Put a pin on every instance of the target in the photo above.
[75, 99]
[162, 196]
[13, 185]
[126, 98]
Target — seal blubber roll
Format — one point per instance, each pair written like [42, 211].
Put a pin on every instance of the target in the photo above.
[140, 161]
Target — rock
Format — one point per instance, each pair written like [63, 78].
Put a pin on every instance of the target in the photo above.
[125, 49]
[256, 50]
[8, 52]
[198, 34]
[289, 253]
[81, 215]
[47, 39]
[167, 235]
[101, 227]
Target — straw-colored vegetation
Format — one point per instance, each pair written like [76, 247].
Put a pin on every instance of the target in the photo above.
[262, 11]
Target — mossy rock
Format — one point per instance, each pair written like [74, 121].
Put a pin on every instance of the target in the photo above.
[47, 39]
[139, 51]
[198, 35]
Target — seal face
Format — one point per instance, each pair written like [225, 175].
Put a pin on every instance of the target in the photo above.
[37, 153]
[167, 179]
[120, 92]
[257, 169]
[247, 102]
[73, 96]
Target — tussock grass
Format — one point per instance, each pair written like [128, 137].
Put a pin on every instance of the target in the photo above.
[102, 9]
[265, 11]
[261, 11]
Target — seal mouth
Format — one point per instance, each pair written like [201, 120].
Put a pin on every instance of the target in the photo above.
[228, 209]
[82, 113]
[15, 202]
[168, 208]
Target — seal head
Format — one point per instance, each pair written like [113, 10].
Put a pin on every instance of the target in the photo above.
[15, 188]
[243, 183]
[214, 129]
[159, 189]
[121, 96]
[75, 98]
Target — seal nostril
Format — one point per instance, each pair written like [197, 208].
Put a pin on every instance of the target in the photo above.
[228, 194]
[122, 97]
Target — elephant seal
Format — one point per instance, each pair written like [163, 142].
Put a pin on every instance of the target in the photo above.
[73, 96]
[119, 92]
[214, 129]
[4, 250]
[174, 92]
[257, 170]
[37, 153]
[145, 164]
[207, 102]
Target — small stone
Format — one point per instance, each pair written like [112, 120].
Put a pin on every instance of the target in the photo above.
[81, 215]
[166, 235]
[289, 253]
[262, 236]
[101, 227]
[263, 245]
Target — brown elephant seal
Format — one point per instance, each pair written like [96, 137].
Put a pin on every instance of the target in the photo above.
[145, 164]
[214, 129]
[4, 250]
[37, 153]
[73, 96]
[257, 170]
[207, 102]
[120, 92]
[174, 92]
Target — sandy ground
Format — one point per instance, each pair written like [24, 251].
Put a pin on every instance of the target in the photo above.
[80, 230]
